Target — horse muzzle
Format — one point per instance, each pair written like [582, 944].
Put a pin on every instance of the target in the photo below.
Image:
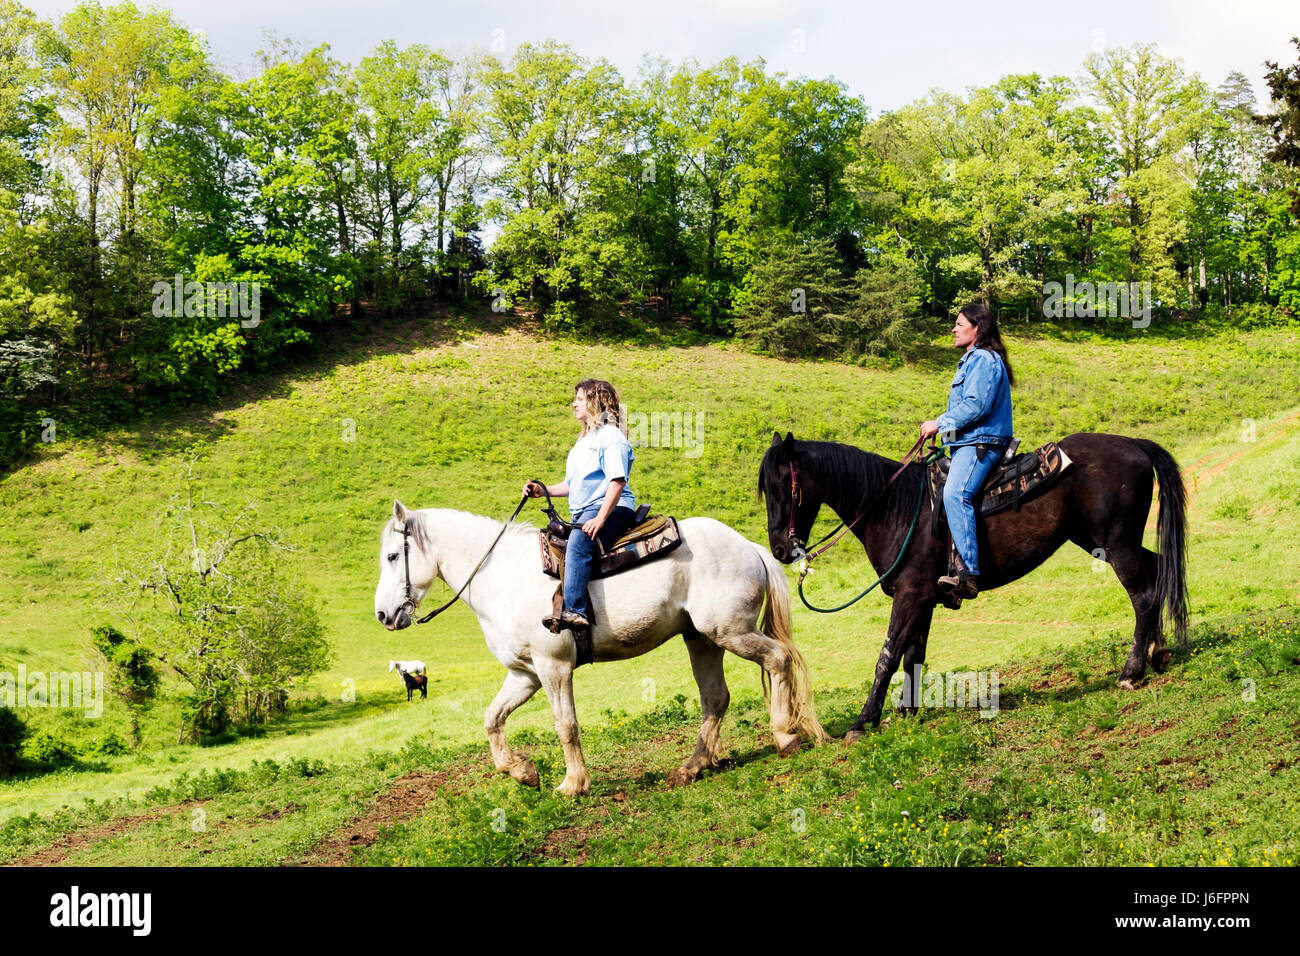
[399, 620]
[790, 553]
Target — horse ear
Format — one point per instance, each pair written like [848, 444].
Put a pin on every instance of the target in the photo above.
[399, 511]
[788, 444]
[776, 438]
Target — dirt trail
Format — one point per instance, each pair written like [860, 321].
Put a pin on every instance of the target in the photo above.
[405, 799]
[68, 844]
[1203, 470]
[1279, 430]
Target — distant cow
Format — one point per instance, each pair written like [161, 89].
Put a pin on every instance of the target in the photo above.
[409, 667]
[415, 682]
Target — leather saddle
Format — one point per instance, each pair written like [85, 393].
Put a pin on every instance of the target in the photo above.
[649, 537]
[1018, 479]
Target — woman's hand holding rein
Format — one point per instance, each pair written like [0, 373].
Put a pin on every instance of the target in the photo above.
[532, 489]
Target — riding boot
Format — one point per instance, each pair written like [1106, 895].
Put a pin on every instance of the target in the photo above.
[949, 582]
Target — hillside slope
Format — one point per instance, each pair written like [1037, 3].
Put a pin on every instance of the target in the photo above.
[444, 421]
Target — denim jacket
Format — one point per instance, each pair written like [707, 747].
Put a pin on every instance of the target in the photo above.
[979, 402]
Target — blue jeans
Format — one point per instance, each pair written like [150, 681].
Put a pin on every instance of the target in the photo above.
[582, 549]
[966, 474]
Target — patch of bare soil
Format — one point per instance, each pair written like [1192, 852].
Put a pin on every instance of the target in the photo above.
[68, 844]
[403, 800]
[568, 844]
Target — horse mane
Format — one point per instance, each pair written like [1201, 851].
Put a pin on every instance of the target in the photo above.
[417, 524]
[843, 471]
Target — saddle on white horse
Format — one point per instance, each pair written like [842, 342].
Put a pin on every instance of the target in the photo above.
[648, 538]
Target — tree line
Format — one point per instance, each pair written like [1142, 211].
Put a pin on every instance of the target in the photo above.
[144, 192]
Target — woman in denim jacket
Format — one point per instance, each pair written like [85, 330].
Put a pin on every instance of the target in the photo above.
[595, 482]
[977, 428]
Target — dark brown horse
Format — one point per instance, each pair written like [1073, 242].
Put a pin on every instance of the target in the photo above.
[1100, 503]
[413, 683]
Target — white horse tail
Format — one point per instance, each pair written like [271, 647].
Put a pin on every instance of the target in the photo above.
[776, 625]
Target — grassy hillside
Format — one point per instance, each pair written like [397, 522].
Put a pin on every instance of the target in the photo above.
[1195, 769]
[455, 418]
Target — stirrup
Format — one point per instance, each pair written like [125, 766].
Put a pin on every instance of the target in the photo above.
[959, 585]
[574, 619]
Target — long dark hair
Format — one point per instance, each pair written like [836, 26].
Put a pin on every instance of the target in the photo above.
[987, 335]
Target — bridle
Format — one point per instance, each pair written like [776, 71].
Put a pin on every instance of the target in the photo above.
[409, 603]
[805, 568]
[796, 498]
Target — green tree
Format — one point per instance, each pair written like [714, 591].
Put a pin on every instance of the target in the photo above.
[12, 734]
[133, 679]
[221, 605]
[712, 119]
[554, 119]
[793, 300]
[1149, 109]
[1283, 124]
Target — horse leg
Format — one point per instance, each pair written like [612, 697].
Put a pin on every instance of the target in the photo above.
[706, 663]
[772, 657]
[909, 622]
[1136, 570]
[557, 679]
[913, 660]
[519, 686]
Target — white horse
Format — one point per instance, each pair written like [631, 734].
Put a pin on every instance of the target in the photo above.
[406, 667]
[710, 589]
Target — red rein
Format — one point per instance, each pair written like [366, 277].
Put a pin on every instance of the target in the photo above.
[796, 497]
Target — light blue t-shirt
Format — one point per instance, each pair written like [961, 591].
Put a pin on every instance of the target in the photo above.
[597, 458]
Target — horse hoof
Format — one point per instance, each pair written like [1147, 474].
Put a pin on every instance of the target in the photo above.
[1126, 684]
[1160, 659]
[528, 775]
[681, 777]
[852, 737]
[788, 749]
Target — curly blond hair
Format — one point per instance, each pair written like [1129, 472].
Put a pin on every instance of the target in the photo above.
[602, 404]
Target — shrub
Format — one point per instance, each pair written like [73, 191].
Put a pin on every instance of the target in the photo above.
[12, 734]
[48, 748]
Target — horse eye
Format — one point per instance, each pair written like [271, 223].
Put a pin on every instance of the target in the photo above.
[393, 556]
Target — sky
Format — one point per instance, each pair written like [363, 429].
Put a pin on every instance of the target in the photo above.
[889, 53]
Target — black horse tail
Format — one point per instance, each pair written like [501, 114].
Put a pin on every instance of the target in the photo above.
[1171, 529]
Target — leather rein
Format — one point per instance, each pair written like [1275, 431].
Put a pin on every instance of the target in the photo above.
[410, 603]
[805, 568]
[796, 497]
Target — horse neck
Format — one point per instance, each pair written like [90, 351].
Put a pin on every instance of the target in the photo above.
[847, 499]
[459, 539]
[885, 520]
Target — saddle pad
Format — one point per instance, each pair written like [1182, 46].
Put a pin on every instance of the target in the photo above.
[1022, 479]
[653, 538]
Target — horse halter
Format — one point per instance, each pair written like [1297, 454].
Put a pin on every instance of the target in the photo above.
[409, 604]
[796, 498]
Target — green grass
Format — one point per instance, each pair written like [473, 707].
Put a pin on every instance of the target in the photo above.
[459, 418]
[1197, 768]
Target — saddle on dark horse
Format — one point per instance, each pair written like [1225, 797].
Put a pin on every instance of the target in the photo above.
[1018, 479]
